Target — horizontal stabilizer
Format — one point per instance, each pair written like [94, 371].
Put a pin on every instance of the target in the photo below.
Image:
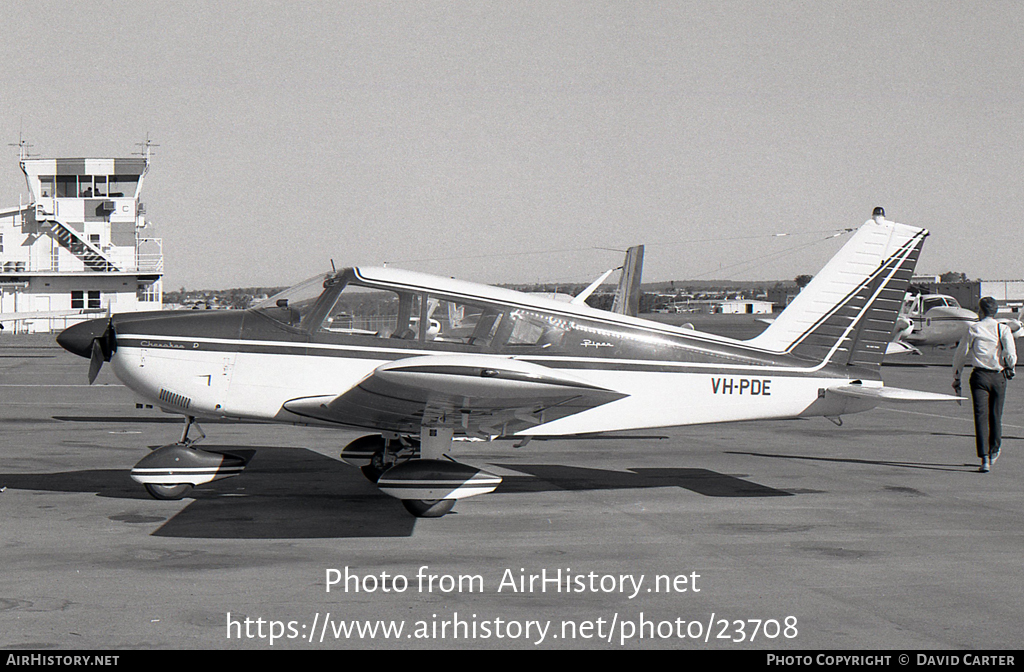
[901, 348]
[890, 394]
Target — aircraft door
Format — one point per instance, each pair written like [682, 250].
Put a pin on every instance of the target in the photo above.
[220, 383]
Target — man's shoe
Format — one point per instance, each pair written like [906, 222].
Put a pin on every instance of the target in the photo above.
[984, 465]
[993, 457]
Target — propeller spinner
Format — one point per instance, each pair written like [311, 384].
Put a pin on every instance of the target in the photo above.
[93, 339]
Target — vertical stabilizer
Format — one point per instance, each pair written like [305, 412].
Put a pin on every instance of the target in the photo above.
[627, 295]
[846, 315]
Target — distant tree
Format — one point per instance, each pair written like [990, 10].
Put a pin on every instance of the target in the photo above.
[803, 280]
[239, 300]
[952, 276]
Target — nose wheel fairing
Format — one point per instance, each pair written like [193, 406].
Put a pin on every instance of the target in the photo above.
[171, 471]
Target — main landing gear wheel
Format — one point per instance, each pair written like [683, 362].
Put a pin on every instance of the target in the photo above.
[378, 464]
[371, 472]
[428, 508]
[160, 491]
[374, 454]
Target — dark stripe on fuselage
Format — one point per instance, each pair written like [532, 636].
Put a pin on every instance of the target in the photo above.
[951, 318]
[186, 345]
[631, 342]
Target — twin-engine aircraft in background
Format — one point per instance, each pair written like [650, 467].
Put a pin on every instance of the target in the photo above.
[419, 361]
[937, 320]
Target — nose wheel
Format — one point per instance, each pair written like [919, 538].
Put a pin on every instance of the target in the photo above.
[428, 508]
[170, 472]
[168, 492]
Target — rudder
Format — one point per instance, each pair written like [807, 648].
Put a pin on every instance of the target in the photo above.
[847, 313]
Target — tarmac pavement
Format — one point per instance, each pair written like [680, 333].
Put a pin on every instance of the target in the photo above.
[784, 535]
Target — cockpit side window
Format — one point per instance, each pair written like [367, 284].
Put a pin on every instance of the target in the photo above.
[377, 313]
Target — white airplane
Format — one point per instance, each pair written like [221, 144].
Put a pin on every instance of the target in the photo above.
[937, 320]
[419, 361]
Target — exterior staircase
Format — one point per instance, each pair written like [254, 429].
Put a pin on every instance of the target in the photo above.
[92, 256]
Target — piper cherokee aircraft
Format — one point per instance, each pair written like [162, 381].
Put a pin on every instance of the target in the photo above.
[419, 361]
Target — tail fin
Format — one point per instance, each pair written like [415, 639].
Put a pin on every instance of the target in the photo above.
[847, 313]
[627, 295]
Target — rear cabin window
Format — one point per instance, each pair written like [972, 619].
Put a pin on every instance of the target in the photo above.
[538, 329]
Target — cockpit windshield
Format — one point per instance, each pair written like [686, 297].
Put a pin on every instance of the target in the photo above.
[939, 301]
[293, 304]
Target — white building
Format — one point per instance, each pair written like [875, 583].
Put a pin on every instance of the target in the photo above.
[1006, 292]
[79, 246]
[741, 306]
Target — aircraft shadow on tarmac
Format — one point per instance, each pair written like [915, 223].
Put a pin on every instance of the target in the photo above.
[293, 493]
[548, 477]
[904, 464]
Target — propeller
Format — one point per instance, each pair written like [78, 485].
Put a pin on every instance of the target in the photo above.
[94, 339]
[96, 360]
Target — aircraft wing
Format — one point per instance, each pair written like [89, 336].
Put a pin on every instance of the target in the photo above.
[476, 395]
[890, 393]
[1016, 324]
[43, 314]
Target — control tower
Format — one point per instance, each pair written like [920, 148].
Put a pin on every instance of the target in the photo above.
[78, 249]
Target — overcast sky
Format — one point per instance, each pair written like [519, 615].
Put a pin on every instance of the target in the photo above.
[511, 141]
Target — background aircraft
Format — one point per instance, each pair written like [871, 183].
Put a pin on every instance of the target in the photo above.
[937, 320]
[419, 360]
[627, 294]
